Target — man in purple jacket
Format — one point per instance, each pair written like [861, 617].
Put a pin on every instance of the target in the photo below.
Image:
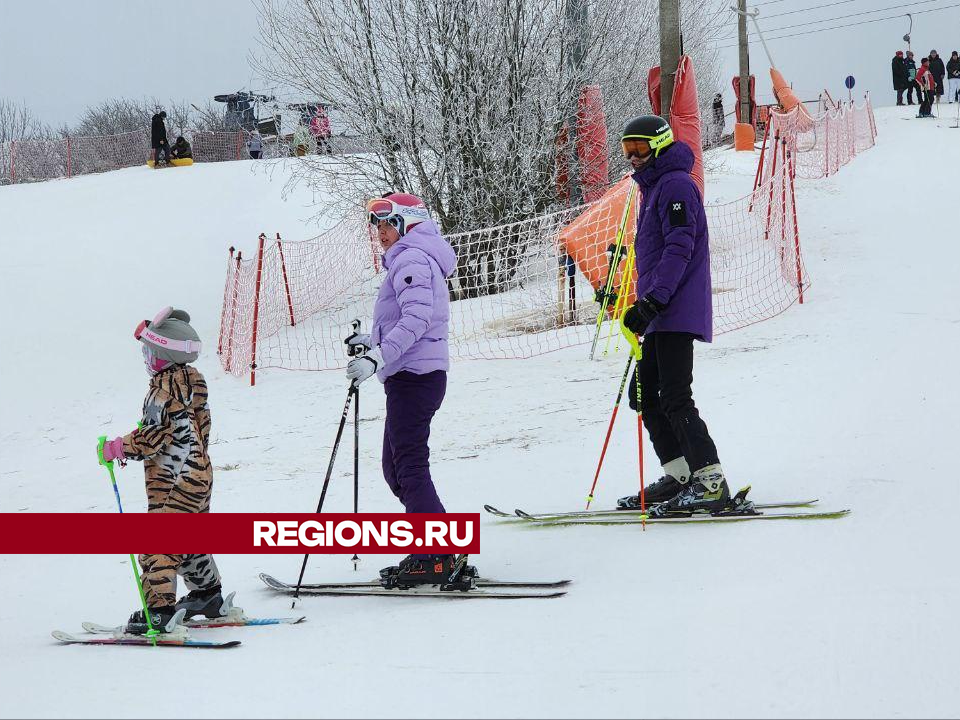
[674, 309]
[407, 349]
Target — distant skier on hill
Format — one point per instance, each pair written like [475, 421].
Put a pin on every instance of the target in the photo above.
[900, 81]
[926, 85]
[255, 145]
[953, 77]
[407, 350]
[172, 443]
[938, 72]
[911, 65]
[673, 309]
[158, 138]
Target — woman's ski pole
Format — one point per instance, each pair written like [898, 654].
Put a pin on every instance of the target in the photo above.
[326, 482]
[356, 462]
[613, 418]
[151, 631]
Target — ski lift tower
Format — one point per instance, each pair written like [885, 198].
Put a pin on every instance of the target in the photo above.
[243, 111]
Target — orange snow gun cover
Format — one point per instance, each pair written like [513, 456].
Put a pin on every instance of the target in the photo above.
[587, 238]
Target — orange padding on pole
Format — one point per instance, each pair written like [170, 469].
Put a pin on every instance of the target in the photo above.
[744, 137]
[788, 99]
[684, 111]
[587, 237]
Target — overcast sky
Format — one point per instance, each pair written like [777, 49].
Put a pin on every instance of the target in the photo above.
[59, 57]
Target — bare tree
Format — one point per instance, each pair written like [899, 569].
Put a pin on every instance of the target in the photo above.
[119, 115]
[17, 122]
[464, 104]
[211, 117]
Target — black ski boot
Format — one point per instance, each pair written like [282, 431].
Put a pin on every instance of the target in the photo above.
[159, 616]
[666, 488]
[435, 570]
[207, 602]
[707, 492]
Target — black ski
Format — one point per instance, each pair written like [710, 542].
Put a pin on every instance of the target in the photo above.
[521, 514]
[483, 589]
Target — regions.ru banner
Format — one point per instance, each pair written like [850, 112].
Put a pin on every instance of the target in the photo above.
[238, 533]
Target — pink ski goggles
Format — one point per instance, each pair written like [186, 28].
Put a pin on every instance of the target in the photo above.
[144, 333]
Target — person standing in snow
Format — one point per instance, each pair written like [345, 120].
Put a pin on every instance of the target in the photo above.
[320, 128]
[926, 85]
[158, 138]
[172, 444]
[900, 81]
[719, 120]
[674, 309]
[255, 145]
[911, 65]
[407, 350]
[953, 77]
[938, 72]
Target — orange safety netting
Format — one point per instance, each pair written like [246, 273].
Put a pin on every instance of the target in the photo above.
[520, 297]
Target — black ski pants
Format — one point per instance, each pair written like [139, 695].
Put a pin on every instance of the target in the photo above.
[666, 400]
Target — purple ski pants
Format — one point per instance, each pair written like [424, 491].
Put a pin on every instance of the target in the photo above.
[412, 401]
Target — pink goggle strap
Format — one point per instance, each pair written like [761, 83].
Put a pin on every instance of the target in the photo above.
[186, 346]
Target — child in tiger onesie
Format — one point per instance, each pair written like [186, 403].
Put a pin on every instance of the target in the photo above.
[172, 444]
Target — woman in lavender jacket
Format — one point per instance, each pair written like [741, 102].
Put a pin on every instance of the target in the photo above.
[407, 349]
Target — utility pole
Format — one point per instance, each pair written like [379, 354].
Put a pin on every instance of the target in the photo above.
[576, 22]
[744, 63]
[669, 52]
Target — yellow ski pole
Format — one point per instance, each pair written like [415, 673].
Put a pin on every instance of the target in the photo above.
[618, 249]
[623, 292]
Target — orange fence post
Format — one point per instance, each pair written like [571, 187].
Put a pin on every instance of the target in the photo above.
[223, 312]
[256, 312]
[758, 179]
[826, 145]
[233, 310]
[773, 172]
[796, 229]
[286, 282]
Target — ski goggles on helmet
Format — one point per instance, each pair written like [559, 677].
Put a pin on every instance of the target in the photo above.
[382, 209]
[143, 333]
[402, 217]
[631, 147]
[643, 145]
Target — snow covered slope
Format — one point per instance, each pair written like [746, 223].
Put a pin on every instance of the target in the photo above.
[850, 398]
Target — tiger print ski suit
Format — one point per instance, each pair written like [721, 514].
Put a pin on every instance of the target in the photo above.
[172, 443]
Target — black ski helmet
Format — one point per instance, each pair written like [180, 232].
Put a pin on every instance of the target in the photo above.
[652, 128]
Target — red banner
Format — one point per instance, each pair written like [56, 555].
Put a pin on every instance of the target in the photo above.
[238, 533]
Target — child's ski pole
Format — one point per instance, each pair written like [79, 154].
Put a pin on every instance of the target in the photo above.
[151, 631]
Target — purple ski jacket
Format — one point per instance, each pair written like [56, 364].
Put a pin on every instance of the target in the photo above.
[673, 245]
[412, 314]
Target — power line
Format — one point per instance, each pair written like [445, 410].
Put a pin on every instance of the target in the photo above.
[854, 24]
[815, 7]
[898, 6]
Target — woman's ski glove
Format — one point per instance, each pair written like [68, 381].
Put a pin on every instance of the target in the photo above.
[357, 344]
[113, 450]
[641, 314]
[363, 367]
